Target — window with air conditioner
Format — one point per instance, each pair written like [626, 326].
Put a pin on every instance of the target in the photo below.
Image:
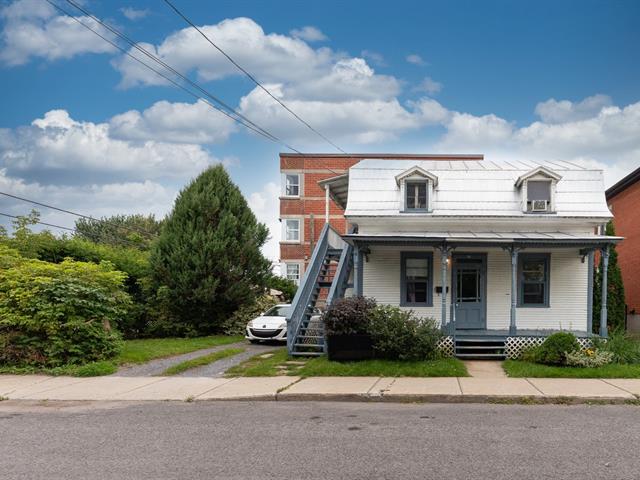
[538, 196]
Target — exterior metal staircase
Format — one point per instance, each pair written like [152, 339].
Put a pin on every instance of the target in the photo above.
[325, 280]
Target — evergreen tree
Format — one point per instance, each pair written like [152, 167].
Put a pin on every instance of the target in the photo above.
[615, 291]
[207, 262]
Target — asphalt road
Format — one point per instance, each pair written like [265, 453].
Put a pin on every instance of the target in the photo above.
[263, 440]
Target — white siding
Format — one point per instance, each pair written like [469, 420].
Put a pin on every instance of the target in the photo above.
[567, 299]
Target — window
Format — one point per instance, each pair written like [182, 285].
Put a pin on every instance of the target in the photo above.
[416, 279]
[538, 195]
[292, 230]
[533, 280]
[292, 185]
[293, 272]
[415, 195]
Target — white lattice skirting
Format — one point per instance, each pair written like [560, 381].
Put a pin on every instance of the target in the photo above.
[515, 345]
[446, 346]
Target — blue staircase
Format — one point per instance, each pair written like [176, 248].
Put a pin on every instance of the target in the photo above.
[325, 280]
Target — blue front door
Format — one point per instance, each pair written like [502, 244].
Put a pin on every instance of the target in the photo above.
[469, 291]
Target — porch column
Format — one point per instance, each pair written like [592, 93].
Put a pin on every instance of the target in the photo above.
[357, 271]
[514, 290]
[444, 256]
[590, 292]
[326, 204]
[603, 311]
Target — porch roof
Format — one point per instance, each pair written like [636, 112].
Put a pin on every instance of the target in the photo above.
[502, 239]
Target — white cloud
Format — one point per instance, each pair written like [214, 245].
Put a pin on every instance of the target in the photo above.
[58, 149]
[429, 86]
[196, 123]
[265, 206]
[608, 138]
[32, 29]
[134, 14]
[415, 59]
[271, 57]
[309, 34]
[374, 57]
[553, 111]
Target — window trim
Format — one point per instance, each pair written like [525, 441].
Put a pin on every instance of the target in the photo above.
[403, 278]
[284, 233]
[547, 279]
[284, 185]
[409, 182]
[286, 271]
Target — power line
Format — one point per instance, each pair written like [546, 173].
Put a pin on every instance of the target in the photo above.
[94, 235]
[246, 122]
[253, 79]
[87, 217]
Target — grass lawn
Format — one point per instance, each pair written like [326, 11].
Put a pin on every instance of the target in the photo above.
[134, 351]
[517, 368]
[201, 361]
[281, 364]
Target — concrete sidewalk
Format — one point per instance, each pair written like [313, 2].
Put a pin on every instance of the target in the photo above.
[403, 389]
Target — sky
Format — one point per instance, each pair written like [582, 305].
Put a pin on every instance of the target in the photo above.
[86, 128]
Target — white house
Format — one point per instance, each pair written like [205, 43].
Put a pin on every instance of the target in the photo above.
[500, 254]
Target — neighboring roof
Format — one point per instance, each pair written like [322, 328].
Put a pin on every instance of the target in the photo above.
[496, 238]
[391, 156]
[338, 188]
[623, 184]
[417, 171]
[538, 171]
[474, 188]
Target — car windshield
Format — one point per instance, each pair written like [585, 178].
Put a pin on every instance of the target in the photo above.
[277, 311]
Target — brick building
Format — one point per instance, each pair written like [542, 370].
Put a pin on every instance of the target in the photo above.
[624, 202]
[303, 201]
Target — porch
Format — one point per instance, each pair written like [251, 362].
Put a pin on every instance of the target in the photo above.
[486, 286]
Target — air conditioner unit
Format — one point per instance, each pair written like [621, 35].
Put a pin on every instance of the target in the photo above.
[539, 206]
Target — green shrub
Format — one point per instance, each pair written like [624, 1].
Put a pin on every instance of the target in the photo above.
[59, 314]
[400, 335]
[236, 324]
[625, 349]
[589, 358]
[553, 350]
[348, 316]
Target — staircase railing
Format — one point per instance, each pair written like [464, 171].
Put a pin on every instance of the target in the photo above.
[303, 294]
[339, 284]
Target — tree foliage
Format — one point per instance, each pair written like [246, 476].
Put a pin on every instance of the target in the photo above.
[615, 291]
[120, 230]
[284, 285]
[58, 314]
[207, 262]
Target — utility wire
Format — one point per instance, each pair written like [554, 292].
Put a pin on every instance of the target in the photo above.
[94, 235]
[253, 79]
[234, 113]
[87, 217]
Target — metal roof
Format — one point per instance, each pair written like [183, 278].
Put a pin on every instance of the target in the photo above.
[469, 188]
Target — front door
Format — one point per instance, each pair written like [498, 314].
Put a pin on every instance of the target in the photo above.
[469, 291]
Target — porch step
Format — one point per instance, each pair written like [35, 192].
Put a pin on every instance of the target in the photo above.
[307, 354]
[480, 348]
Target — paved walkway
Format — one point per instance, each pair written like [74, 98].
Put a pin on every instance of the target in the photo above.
[485, 369]
[157, 367]
[447, 389]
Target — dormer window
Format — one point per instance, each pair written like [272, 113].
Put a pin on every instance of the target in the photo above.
[538, 196]
[416, 190]
[538, 190]
[416, 195]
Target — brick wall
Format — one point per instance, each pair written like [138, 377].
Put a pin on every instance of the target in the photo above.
[625, 207]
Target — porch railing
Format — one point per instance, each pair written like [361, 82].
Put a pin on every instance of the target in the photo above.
[339, 284]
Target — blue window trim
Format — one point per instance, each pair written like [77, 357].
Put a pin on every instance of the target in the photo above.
[416, 210]
[547, 265]
[403, 278]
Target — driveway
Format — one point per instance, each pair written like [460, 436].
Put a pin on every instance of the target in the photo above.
[216, 369]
